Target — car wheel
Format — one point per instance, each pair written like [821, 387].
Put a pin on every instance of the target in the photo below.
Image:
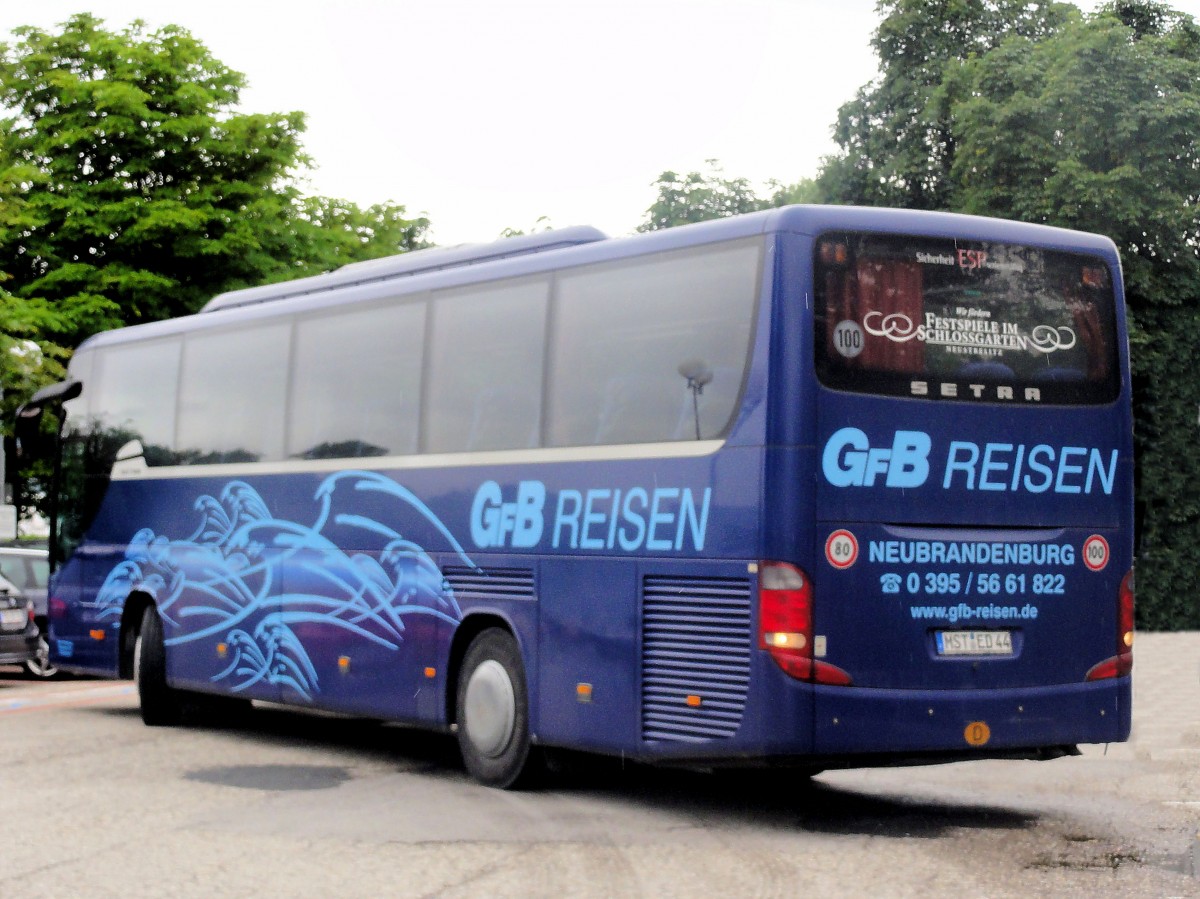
[161, 705]
[492, 711]
[41, 667]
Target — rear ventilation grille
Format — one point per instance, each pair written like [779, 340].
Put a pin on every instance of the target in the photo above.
[492, 583]
[695, 657]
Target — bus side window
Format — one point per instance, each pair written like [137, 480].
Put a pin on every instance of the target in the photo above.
[356, 383]
[134, 385]
[232, 394]
[485, 367]
[624, 330]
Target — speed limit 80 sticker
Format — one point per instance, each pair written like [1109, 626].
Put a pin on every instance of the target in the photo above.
[841, 549]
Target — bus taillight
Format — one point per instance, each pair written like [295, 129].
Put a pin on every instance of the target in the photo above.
[1125, 617]
[1122, 663]
[785, 624]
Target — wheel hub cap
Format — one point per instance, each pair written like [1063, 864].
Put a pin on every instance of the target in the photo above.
[490, 708]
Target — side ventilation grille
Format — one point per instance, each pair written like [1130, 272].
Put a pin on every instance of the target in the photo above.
[492, 583]
[695, 657]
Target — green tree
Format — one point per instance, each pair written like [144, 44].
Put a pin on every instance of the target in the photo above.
[27, 361]
[1041, 138]
[133, 191]
[896, 136]
[700, 196]
[327, 233]
[136, 191]
[806, 190]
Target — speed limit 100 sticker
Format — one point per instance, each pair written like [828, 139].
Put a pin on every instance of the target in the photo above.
[841, 549]
[1095, 552]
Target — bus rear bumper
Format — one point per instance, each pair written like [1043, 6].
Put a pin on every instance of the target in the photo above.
[1031, 721]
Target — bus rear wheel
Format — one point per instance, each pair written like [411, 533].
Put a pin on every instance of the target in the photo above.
[161, 704]
[493, 711]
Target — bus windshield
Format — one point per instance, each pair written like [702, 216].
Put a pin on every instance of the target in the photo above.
[952, 319]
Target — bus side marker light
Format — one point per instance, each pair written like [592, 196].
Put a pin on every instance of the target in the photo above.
[694, 701]
[583, 692]
[344, 664]
[977, 733]
[97, 634]
[431, 673]
[222, 650]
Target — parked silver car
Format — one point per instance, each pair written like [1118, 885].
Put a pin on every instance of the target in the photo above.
[28, 568]
[19, 634]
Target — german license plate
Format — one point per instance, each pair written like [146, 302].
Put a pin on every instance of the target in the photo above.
[13, 619]
[974, 643]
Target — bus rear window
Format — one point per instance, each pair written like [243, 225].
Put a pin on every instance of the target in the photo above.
[962, 320]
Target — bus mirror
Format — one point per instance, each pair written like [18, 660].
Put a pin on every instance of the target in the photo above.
[56, 393]
[31, 441]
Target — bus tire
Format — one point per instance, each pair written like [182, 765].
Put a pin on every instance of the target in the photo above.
[492, 711]
[162, 705]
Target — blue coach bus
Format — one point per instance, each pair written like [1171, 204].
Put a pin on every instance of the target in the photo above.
[818, 487]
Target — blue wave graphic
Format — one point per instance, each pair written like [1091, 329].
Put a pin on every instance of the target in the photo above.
[229, 572]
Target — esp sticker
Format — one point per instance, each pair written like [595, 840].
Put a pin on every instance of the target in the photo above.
[841, 549]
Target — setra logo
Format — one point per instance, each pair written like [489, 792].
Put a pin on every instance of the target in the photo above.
[849, 459]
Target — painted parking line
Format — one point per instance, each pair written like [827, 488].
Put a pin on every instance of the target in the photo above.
[87, 696]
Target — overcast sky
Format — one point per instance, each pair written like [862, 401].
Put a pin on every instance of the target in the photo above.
[485, 114]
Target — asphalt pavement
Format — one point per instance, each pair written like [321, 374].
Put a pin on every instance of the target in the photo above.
[1166, 700]
[304, 806]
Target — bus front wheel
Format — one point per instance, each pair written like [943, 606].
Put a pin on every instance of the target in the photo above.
[492, 711]
[161, 705]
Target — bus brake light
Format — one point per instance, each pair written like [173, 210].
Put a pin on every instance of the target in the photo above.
[785, 624]
[1122, 663]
